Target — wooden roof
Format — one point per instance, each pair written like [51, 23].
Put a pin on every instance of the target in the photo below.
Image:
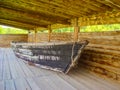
[30, 14]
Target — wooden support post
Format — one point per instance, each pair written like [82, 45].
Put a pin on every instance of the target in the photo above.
[49, 33]
[35, 36]
[28, 35]
[76, 29]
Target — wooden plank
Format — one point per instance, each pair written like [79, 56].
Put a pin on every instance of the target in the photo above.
[38, 71]
[6, 68]
[98, 85]
[83, 81]
[43, 84]
[40, 79]
[1, 64]
[22, 84]
[109, 84]
[26, 70]
[60, 83]
[33, 84]
[9, 85]
[19, 70]
[45, 74]
[49, 82]
[6, 39]
[2, 86]
[73, 82]
[12, 67]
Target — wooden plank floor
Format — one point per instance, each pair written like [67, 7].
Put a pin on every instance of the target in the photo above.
[17, 75]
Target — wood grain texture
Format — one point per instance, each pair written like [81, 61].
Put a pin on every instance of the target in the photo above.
[26, 77]
[54, 12]
[5, 40]
[101, 56]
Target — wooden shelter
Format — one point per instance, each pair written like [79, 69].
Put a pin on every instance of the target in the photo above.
[32, 14]
[101, 57]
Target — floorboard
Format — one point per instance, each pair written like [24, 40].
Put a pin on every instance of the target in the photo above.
[16, 74]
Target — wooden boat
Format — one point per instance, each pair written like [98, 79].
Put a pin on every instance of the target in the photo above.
[59, 56]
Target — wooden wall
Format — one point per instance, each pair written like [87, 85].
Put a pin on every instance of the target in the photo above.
[62, 37]
[41, 37]
[101, 56]
[6, 39]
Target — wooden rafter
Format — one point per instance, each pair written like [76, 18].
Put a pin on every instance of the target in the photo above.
[21, 5]
[36, 19]
[16, 24]
[101, 18]
[59, 13]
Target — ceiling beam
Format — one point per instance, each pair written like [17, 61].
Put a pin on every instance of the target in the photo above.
[43, 18]
[68, 9]
[28, 7]
[59, 8]
[80, 5]
[17, 24]
[100, 19]
[109, 3]
[26, 18]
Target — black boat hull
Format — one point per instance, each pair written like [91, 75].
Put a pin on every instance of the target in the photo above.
[58, 56]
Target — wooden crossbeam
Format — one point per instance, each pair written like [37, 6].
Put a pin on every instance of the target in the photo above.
[20, 17]
[34, 9]
[101, 18]
[16, 24]
[29, 18]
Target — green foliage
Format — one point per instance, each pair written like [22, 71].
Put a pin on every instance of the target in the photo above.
[93, 28]
[11, 30]
[100, 28]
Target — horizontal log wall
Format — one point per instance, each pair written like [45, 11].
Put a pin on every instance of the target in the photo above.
[62, 37]
[101, 56]
[6, 39]
[41, 37]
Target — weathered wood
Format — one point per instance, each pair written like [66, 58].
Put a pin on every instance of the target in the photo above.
[76, 29]
[49, 33]
[35, 78]
[104, 49]
[5, 40]
[2, 85]
[45, 12]
[16, 24]
[35, 36]
[9, 85]
[54, 56]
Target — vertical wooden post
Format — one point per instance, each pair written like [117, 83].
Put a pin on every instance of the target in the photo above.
[29, 35]
[35, 36]
[49, 33]
[76, 29]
